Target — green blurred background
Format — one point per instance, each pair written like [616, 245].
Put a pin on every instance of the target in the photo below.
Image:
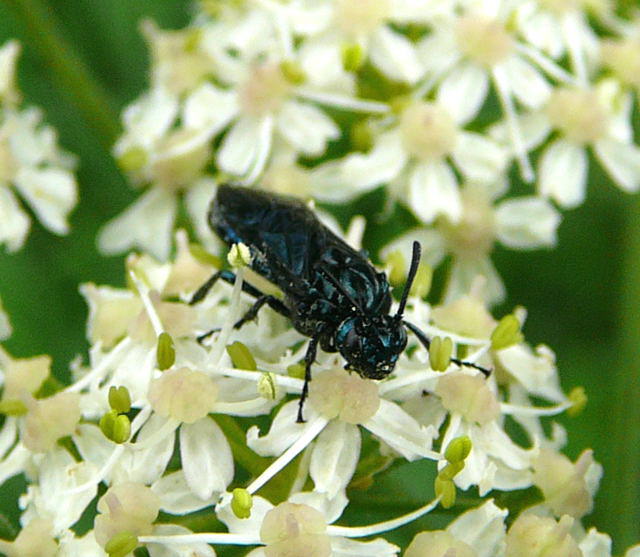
[582, 297]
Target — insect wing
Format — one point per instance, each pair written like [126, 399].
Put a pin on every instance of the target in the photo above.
[284, 236]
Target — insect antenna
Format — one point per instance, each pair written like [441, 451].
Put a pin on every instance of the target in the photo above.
[415, 261]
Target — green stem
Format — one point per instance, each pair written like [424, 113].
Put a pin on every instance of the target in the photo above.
[86, 92]
[622, 462]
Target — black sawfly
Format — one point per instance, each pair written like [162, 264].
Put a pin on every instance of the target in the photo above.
[332, 293]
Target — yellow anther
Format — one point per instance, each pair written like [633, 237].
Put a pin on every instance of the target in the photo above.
[241, 356]
[440, 353]
[241, 503]
[507, 333]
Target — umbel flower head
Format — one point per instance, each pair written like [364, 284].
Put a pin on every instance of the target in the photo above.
[139, 391]
[178, 431]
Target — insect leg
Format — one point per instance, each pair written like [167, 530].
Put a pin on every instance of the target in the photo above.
[263, 299]
[230, 277]
[204, 289]
[309, 358]
[426, 343]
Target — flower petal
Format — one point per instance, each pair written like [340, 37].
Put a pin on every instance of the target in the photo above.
[334, 457]
[433, 191]
[306, 127]
[209, 107]
[482, 528]
[146, 465]
[542, 30]
[527, 222]
[147, 119]
[59, 473]
[479, 158]
[527, 83]
[464, 273]
[394, 55]
[342, 180]
[563, 173]
[240, 146]
[147, 224]
[331, 508]
[622, 161]
[431, 241]
[197, 200]
[536, 371]
[401, 431]
[207, 461]
[187, 549]
[321, 61]
[464, 91]
[345, 547]
[438, 53]
[8, 56]
[14, 222]
[283, 433]
[176, 497]
[534, 129]
[51, 193]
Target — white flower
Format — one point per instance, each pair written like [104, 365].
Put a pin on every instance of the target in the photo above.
[337, 404]
[32, 163]
[57, 474]
[333, 28]
[596, 119]
[518, 223]
[465, 53]
[561, 28]
[412, 155]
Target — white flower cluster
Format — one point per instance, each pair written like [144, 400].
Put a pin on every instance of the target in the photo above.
[31, 162]
[151, 416]
[436, 101]
[443, 104]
